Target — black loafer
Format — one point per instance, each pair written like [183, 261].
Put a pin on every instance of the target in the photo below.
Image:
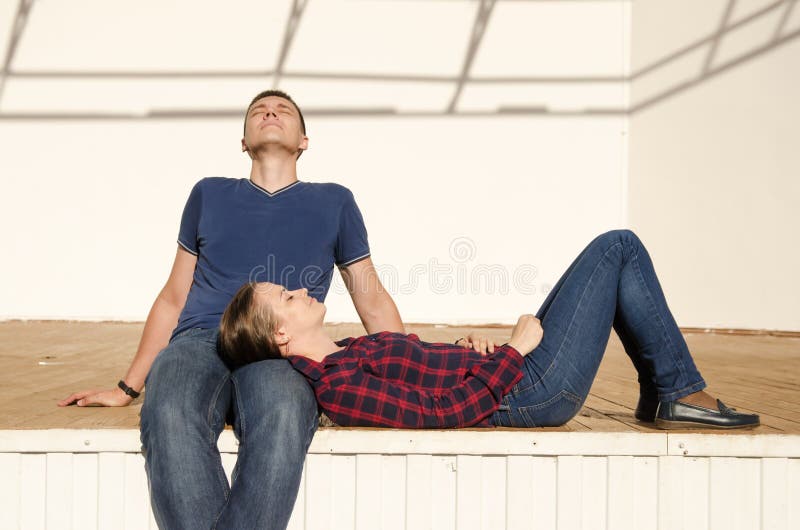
[646, 410]
[677, 415]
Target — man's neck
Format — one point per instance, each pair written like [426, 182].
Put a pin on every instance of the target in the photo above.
[274, 170]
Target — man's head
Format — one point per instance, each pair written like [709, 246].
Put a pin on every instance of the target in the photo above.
[274, 118]
[263, 318]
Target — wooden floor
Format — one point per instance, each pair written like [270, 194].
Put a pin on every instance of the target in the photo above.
[44, 361]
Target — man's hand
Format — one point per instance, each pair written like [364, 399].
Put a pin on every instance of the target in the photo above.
[527, 334]
[479, 343]
[98, 398]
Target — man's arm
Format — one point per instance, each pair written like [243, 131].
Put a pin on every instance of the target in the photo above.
[373, 303]
[161, 320]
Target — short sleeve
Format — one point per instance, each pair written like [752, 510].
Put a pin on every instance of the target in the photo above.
[351, 244]
[190, 220]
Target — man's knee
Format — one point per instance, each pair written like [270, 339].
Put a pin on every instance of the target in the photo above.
[280, 394]
[186, 394]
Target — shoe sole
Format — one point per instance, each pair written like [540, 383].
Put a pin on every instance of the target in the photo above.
[668, 424]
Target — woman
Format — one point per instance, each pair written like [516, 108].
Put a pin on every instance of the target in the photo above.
[540, 377]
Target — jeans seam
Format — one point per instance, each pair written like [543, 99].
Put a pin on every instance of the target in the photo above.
[671, 346]
[209, 419]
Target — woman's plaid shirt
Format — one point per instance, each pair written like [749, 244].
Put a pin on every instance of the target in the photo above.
[396, 380]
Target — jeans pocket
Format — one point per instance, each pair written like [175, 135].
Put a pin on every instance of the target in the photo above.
[556, 411]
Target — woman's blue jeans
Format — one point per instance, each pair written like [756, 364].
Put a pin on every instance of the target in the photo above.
[612, 283]
[190, 393]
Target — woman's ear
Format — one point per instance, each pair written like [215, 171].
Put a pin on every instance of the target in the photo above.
[281, 336]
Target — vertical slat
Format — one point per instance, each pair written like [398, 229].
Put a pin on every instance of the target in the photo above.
[568, 499]
[59, 491]
[135, 495]
[545, 487]
[32, 491]
[793, 492]
[393, 492]
[343, 472]
[620, 492]
[774, 487]
[722, 483]
[368, 492]
[110, 499]
[10, 470]
[519, 488]
[297, 520]
[493, 492]
[84, 487]
[748, 493]
[645, 489]
[418, 491]
[670, 491]
[318, 491]
[444, 474]
[228, 464]
[468, 492]
[695, 493]
[593, 491]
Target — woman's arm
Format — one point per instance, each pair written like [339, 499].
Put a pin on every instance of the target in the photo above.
[367, 400]
[161, 320]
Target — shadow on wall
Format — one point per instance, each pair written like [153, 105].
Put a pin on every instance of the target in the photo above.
[484, 11]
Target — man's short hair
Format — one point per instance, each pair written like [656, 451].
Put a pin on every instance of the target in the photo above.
[280, 94]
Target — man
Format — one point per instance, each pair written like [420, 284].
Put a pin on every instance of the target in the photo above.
[233, 231]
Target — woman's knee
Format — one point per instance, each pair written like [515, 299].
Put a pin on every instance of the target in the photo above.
[627, 239]
[619, 235]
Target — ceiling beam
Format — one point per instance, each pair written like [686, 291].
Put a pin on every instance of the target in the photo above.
[296, 13]
[485, 8]
[20, 21]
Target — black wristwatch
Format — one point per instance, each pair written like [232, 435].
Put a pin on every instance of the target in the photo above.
[128, 390]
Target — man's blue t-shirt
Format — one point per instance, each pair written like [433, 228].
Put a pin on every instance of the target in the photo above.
[240, 232]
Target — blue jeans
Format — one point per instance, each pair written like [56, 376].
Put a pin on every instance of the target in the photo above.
[190, 393]
[611, 283]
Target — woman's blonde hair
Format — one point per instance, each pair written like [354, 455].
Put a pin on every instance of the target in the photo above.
[246, 331]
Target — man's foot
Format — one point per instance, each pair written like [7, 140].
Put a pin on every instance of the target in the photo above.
[681, 415]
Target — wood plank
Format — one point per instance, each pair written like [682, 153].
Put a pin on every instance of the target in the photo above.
[759, 373]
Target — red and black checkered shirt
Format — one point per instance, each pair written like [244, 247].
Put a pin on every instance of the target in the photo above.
[396, 380]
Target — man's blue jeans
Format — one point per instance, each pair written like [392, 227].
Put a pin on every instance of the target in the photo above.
[611, 283]
[190, 392]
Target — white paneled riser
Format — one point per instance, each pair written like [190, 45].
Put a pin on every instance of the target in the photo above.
[438, 480]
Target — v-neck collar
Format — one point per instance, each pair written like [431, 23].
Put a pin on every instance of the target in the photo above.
[276, 192]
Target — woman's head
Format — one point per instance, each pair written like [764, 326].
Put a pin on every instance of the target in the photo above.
[263, 319]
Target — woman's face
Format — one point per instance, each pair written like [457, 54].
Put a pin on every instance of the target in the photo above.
[294, 310]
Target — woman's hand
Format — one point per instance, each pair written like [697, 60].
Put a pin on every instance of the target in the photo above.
[100, 398]
[479, 343]
[527, 334]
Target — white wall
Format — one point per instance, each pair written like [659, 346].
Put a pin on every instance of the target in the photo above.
[715, 169]
[90, 208]
[709, 178]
